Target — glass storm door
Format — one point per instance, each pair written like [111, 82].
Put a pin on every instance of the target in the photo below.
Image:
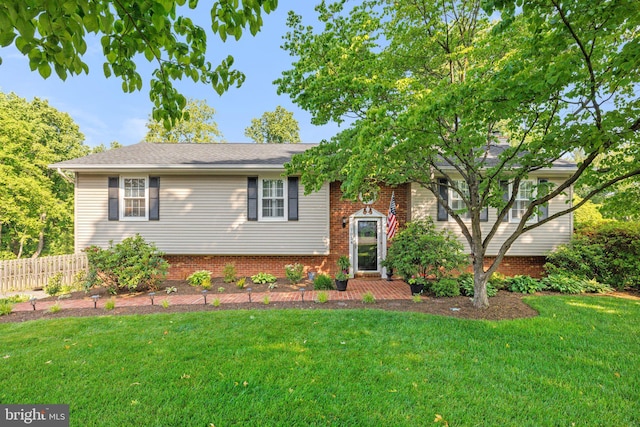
[367, 244]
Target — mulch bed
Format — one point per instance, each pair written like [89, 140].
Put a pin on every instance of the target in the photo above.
[505, 305]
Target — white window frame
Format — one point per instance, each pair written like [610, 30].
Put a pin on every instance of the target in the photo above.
[455, 197]
[285, 198]
[122, 198]
[514, 208]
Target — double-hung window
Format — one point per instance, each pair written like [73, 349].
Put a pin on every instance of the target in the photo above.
[133, 198]
[457, 202]
[522, 201]
[272, 200]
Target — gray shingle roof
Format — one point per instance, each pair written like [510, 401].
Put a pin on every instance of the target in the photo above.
[204, 156]
[149, 156]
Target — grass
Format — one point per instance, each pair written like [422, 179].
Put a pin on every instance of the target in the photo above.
[574, 364]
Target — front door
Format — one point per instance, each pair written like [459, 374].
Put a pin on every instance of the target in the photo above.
[367, 245]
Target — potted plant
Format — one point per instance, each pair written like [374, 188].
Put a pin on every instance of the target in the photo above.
[341, 281]
[388, 264]
[416, 284]
[344, 263]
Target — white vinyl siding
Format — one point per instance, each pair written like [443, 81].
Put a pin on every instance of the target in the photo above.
[204, 215]
[537, 242]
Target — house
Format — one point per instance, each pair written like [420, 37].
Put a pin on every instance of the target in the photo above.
[206, 205]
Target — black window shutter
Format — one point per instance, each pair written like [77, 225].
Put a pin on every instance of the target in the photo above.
[543, 190]
[154, 198]
[114, 189]
[444, 193]
[252, 198]
[504, 185]
[293, 198]
[484, 214]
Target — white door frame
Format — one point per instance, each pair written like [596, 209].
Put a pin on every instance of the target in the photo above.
[373, 215]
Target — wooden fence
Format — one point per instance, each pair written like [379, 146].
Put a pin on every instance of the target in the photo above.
[33, 273]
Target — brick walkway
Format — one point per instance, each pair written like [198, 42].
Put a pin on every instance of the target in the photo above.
[381, 290]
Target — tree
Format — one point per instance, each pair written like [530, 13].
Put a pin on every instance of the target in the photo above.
[197, 125]
[277, 127]
[429, 83]
[53, 35]
[36, 203]
[102, 148]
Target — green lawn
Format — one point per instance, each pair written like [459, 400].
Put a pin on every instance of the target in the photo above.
[575, 364]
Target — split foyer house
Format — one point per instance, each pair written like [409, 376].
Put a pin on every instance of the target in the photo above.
[206, 205]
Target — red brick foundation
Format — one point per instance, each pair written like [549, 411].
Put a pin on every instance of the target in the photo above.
[183, 265]
[524, 265]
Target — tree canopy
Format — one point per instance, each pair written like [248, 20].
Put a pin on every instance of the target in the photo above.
[276, 127]
[53, 35]
[36, 203]
[430, 84]
[197, 125]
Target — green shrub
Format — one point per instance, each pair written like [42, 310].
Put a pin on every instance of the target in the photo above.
[322, 281]
[216, 302]
[262, 278]
[6, 307]
[368, 298]
[110, 304]
[498, 281]
[200, 278]
[420, 250]
[229, 273]
[294, 272]
[569, 284]
[55, 308]
[165, 303]
[241, 282]
[132, 264]
[525, 284]
[446, 287]
[54, 285]
[322, 297]
[16, 298]
[465, 281]
[608, 252]
[564, 283]
[597, 287]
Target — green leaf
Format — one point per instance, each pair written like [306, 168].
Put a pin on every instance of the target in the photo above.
[44, 69]
[6, 38]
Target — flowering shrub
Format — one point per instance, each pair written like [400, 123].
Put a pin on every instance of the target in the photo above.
[422, 251]
[294, 272]
[132, 264]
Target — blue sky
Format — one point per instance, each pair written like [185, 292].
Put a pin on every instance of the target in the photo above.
[105, 113]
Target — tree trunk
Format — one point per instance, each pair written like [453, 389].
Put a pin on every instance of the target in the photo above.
[480, 298]
[38, 251]
[21, 246]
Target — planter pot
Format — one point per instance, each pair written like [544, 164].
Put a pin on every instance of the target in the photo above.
[417, 288]
[389, 274]
[341, 285]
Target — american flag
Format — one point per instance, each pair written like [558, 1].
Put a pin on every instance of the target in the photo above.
[392, 221]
